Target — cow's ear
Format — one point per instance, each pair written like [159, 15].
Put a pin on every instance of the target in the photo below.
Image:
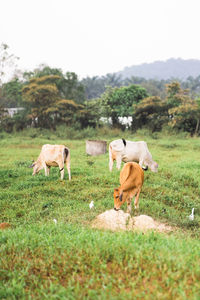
[31, 166]
[120, 196]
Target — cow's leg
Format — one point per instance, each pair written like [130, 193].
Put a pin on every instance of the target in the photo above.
[62, 172]
[119, 160]
[110, 159]
[136, 202]
[46, 171]
[68, 166]
[129, 208]
[61, 168]
[110, 164]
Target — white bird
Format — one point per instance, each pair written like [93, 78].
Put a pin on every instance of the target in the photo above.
[191, 217]
[55, 221]
[91, 205]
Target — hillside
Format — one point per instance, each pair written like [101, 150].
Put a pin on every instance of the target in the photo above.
[171, 68]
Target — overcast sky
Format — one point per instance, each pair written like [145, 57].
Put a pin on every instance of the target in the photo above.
[96, 37]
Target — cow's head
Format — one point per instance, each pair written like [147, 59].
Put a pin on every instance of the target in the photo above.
[36, 167]
[154, 166]
[118, 199]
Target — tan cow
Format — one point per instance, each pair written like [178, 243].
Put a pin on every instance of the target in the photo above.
[52, 156]
[131, 181]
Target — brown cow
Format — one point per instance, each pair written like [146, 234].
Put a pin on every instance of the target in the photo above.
[131, 181]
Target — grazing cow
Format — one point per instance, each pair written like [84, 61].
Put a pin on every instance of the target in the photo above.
[52, 156]
[131, 181]
[122, 150]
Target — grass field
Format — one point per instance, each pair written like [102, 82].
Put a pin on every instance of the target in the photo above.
[70, 260]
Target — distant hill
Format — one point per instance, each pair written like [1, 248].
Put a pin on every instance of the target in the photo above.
[171, 68]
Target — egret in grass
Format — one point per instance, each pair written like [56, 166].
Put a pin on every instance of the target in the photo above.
[191, 217]
[91, 205]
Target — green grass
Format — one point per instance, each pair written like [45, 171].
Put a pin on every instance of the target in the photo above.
[72, 261]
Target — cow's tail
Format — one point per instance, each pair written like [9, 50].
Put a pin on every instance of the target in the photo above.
[67, 161]
[66, 156]
[66, 152]
[124, 142]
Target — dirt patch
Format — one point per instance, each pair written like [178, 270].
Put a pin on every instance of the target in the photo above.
[118, 220]
[4, 226]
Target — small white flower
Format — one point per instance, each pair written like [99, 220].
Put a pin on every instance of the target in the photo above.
[191, 217]
[55, 221]
[91, 205]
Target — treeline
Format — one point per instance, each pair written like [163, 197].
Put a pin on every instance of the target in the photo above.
[49, 98]
[95, 86]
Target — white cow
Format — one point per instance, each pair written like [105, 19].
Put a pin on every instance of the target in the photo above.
[52, 156]
[127, 151]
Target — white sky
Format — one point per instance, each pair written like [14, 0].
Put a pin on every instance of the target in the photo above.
[96, 37]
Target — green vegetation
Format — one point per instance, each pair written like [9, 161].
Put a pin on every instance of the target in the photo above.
[118, 102]
[70, 260]
[48, 98]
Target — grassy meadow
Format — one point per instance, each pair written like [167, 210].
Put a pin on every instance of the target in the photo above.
[70, 260]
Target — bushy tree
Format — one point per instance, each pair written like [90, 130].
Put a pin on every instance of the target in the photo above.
[66, 111]
[184, 112]
[90, 114]
[186, 116]
[95, 86]
[67, 84]
[151, 112]
[175, 94]
[48, 108]
[118, 102]
[42, 94]
[11, 95]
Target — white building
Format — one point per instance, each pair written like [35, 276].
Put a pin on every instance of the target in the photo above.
[13, 110]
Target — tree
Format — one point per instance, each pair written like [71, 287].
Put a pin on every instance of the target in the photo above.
[90, 114]
[184, 112]
[118, 102]
[175, 94]
[66, 111]
[186, 116]
[71, 88]
[42, 94]
[113, 80]
[11, 93]
[7, 62]
[151, 112]
[68, 84]
[193, 84]
[94, 87]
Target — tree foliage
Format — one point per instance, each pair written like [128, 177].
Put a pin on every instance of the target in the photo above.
[42, 94]
[151, 112]
[47, 107]
[186, 116]
[118, 102]
[11, 95]
[7, 62]
[67, 84]
[51, 97]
